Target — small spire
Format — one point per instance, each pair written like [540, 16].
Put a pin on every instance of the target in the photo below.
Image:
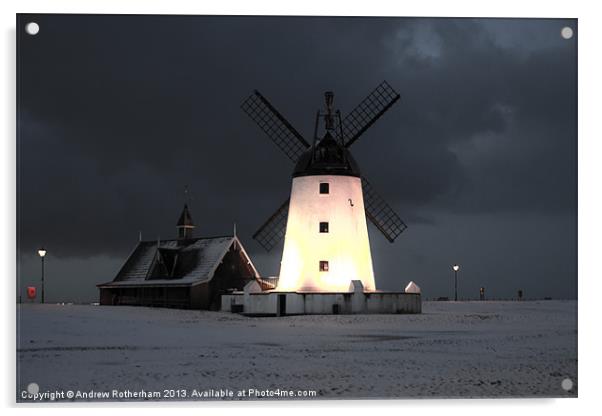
[235, 246]
[185, 218]
[185, 224]
[140, 235]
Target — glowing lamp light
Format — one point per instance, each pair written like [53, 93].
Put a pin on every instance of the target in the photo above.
[42, 253]
[455, 268]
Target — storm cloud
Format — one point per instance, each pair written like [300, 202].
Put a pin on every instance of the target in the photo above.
[118, 114]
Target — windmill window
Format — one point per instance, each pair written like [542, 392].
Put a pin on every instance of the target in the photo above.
[324, 188]
[323, 265]
[323, 227]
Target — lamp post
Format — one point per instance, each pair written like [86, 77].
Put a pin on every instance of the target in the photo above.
[42, 254]
[455, 267]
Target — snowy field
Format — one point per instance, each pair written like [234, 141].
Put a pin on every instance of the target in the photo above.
[463, 349]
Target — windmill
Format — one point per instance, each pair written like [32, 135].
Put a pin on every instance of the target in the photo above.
[324, 221]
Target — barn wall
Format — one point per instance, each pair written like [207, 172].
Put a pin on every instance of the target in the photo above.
[170, 297]
[233, 273]
[105, 297]
[200, 296]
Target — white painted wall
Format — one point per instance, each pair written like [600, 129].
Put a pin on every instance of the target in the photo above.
[261, 304]
[322, 303]
[229, 300]
[346, 246]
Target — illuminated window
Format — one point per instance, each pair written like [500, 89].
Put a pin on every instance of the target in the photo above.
[323, 265]
[323, 227]
[324, 188]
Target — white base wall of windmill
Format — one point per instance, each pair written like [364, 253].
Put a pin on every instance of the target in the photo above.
[344, 246]
[254, 302]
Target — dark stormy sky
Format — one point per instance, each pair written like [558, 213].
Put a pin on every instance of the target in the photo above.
[117, 114]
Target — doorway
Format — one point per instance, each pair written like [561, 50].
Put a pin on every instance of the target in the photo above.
[281, 305]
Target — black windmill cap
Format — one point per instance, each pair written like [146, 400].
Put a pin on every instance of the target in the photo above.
[327, 157]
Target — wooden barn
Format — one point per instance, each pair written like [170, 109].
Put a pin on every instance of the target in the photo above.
[187, 272]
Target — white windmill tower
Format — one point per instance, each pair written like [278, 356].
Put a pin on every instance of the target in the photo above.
[326, 243]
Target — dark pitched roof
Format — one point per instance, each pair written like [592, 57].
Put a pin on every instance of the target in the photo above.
[196, 262]
[185, 218]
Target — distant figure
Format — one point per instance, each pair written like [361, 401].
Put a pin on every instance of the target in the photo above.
[482, 293]
[520, 294]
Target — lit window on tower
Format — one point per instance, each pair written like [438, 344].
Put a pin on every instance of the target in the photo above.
[324, 188]
[323, 265]
[323, 227]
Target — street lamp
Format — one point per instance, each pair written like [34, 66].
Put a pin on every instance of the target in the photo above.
[42, 254]
[455, 267]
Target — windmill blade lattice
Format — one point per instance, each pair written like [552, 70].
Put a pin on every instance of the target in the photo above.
[293, 145]
[272, 231]
[367, 112]
[278, 129]
[381, 214]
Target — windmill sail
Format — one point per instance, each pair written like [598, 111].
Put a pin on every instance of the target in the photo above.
[277, 128]
[293, 145]
[272, 231]
[367, 112]
[381, 214]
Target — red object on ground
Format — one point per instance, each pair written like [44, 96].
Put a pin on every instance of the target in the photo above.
[31, 292]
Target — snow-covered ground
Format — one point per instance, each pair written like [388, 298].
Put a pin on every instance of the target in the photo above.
[463, 349]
